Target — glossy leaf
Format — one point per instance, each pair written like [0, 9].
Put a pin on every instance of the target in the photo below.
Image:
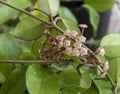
[104, 86]
[15, 84]
[64, 12]
[102, 5]
[7, 13]
[68, 24]
[41, 80]
[111, 44]
[93, 16]
[9, 47]
[49, 6]
[71, 81]
[29, 29]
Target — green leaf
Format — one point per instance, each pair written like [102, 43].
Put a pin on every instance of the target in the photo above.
[64, 12]
[111, 44]
[100, 5]
[41, 80]
[15, 84]
[9, 47]
[29, 29]
[68, 24]
[27, 56]
[26, 48]
[94, 17]
[71, 81]
[104, 86]
[7, 13]
[91, 90]
[49, 6]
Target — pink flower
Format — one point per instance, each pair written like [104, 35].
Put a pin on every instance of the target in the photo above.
[60, 38]
[82, 39]
[67, 33]
[100, 51]
[60, 44]
[73, 33]
[75, 52]
[77, 45]
[66, 43]
[68, 50]
[83, 51]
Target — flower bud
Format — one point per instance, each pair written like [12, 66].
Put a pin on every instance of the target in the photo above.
[77, 45]
[67, 33]
[60, 44]
[82, 39]
[100, 51]
[75, 52]
[83, 51]
[66, 43]
[83, 26]
[68, 50]
[60, 38]
[73, 33]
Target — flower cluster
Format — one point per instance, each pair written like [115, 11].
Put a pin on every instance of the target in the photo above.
[67, 43]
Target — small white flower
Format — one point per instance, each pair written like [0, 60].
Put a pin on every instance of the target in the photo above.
[60, 44]
[83, 51]
[68, 50]
[83, 26]
[100, 51]
[66, 43]
[82, 39]
[73, 33]
[77, 45]
[75, 52]
[67, 33]
[60, 38]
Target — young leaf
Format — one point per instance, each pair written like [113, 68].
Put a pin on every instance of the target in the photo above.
[49, 6]
[29, 29]
[94, 17]
[64, 12]
[102, 5]
[15, 84]
[41, 80]
[7, 13]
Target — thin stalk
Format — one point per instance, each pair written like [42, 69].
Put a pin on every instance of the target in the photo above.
[25, 12]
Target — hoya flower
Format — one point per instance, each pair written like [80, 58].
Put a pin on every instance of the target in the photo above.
[60, 44]
[83, 51]
[100, 51]
[83, 26]
[105, 69]
[60, 38]
[75, 52]
[73, 33]
[77, 45]
[67, 33]
[82, 39]
[66, 43]
[68, 50]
